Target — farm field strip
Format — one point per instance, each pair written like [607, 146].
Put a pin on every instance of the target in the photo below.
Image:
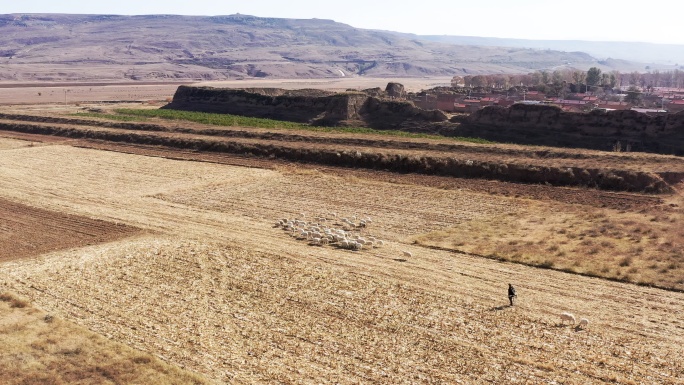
[592, 197]
[217, 289]
[27, 231]
[28, 95]
[9, 144]
[504, 153]
[217, 301]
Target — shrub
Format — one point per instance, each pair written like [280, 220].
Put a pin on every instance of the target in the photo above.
[626, 261]
[13, 300]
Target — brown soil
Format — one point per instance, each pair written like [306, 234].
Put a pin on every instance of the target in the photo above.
[70, 93]
[28, 231]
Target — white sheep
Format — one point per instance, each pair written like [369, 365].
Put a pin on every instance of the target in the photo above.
[583, 323]
[567, 317]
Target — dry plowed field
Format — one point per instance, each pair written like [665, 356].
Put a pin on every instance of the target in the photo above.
[181, 258]
[27, 231]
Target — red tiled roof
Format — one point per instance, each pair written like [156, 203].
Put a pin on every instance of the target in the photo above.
[613, 103]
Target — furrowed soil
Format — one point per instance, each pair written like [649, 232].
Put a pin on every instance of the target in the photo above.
[208, 283]
[28, 231]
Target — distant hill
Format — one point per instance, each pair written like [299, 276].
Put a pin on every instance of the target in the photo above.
[56, 47]
[647, 53]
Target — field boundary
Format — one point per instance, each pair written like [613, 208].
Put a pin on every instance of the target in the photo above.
[402, 162]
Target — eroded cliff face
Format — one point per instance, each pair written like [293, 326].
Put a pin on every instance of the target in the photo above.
[612, 130]
[304, 106]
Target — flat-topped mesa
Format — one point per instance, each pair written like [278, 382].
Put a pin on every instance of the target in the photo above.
[305, 106]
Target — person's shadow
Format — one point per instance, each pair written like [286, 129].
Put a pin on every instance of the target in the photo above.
[499, 308]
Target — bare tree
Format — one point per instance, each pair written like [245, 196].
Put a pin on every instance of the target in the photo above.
[499, 81]
[605, 80]
[578, 77]
[655, 78]
[678, 78]
[457, 81]
[667, 79]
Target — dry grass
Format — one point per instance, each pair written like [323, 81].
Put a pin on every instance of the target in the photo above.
[634, 247]
[214, 288]
[42, 349]
[246, 316]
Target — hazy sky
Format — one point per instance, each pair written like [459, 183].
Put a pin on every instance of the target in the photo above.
[614, 20]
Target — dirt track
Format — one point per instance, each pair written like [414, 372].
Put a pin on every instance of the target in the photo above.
[214, 287]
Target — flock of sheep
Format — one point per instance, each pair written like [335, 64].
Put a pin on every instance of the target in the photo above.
[583, 322]
[346, 233]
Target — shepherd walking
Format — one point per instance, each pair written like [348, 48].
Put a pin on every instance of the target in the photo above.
[511, 293]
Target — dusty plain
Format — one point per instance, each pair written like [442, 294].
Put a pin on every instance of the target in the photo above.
[66, 94]
[205, 281]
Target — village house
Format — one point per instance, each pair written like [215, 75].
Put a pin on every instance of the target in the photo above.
[445, 102]
[676, 105]
[571, 105]
[488, 101]
[614, 105]
[460, 107]
[471, 105]
[534, 95]
[670, 100]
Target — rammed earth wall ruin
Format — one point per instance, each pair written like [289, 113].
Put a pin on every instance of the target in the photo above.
[304, 106]
[620, 130]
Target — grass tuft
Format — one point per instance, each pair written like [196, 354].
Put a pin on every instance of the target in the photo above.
[13, 300]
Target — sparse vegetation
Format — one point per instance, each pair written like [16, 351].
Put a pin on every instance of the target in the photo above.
[120, 117]
[54, 351]
[602, 238]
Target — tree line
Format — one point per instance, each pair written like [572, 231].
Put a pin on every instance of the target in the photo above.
[555, 83]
